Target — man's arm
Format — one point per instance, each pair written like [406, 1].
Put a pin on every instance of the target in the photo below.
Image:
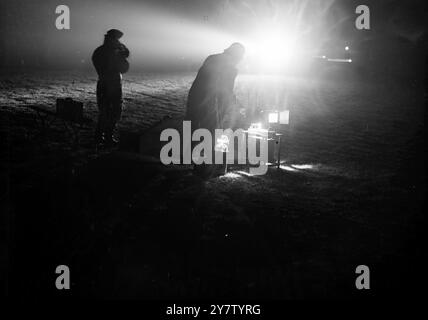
[121, 62]
[124, 50]
[96, 60]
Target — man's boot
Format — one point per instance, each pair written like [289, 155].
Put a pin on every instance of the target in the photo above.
[110, 140]
[99, 137]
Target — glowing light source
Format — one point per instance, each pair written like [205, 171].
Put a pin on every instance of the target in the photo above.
[256, 126]
[230, 175]
[222, 144]
[284, 117]
[340, 60]
[287, 168]
[275, 47]
[281, 117]
[302, 166]
[273, 117]
[346, 48]
[297, 167]
[245, 174]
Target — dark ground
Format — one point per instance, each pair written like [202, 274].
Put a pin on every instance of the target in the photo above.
[351, 192]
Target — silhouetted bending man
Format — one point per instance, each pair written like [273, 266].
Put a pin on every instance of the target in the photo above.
[211, 93]
[110, 62]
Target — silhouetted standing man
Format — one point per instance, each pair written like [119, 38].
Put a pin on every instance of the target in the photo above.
[110, 62]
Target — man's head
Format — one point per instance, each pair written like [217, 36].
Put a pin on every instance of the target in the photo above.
[114, 34]
[236, 52]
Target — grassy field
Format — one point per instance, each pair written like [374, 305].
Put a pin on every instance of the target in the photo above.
[349, 192]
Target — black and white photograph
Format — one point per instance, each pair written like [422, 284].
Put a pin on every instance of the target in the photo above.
[213, 156]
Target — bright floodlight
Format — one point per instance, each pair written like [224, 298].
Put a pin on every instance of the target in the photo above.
[273, 48]
[256, 126]
[273, 117]
[346, 48]
[284, 117]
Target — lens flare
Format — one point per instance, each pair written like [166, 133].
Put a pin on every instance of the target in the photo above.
[273, 49]
[276, 48]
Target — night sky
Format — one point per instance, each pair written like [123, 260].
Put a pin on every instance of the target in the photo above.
[178, 34]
